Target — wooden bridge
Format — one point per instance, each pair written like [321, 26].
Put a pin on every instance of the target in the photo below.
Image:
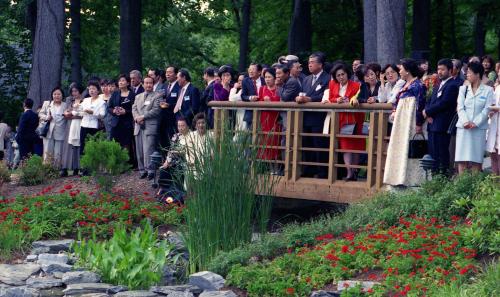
[332, 188]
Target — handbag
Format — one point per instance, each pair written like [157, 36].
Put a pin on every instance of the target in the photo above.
[418, 147]
[43, 128]
[452, 128]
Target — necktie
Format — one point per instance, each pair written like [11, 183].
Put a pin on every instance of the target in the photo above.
[314, 79]
[255, 86]
[169, 89]
[178, 105]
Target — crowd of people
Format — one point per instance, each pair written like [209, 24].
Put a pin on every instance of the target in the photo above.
[452, 107]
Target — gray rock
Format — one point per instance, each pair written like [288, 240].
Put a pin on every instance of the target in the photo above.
[175, 239]
[54, 246]
[58, 274]
[40, 250]
[345, 284]
[21, 292]
[3, 289]
[86, 288]
[52, 267]
[181, 294]
[43, 282]
[52, 292]
[117, 289]
[136, 294]
[52, 258]
[17, 274]
[75, 277]
[167, 290]
[207, 280]
[31, 258]
[324, 294]
[94, 295]
[218, 294]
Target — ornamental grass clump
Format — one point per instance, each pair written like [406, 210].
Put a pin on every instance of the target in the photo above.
[34, 171]
[222, 209]
[135, 259]
[104, 159]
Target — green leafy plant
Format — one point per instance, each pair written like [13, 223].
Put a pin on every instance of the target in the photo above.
[4, 175]
[435, 199]
[104, 159]
[222, 208]
[34, 171]
[135, 260]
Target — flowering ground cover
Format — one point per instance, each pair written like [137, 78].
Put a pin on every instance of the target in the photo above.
[25, 219]
[410, 259]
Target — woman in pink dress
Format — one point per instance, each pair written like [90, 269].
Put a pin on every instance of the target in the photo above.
[269, 120]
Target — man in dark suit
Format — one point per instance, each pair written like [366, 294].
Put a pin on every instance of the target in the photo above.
[26, 136]
[456, 72]
[135, 82]
[208, 93]
[167, 126]
[250, 88]
[188, 101]
[313, 88]
[439, 112]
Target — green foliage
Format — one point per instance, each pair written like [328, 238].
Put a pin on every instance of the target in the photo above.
[221, 204]
[105, 159]
[486, 284]
[34, 171]
[26, 219]
[414, 256]
[4, 174]
[435, 199]
[135, 260]
[484, 217]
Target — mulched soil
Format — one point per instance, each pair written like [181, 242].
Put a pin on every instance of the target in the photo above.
[127, 184]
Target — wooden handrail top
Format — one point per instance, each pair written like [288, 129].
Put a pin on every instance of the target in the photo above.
[312, 106]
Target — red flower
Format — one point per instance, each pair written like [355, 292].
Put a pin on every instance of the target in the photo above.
[345, 249]
[290, 291]
[68, 187]
[456, 232]
[146, 193]
[82, 223]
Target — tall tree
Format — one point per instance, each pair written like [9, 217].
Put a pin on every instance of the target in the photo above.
[300, 34]
[480, 30]
[438, 29]
[370, 30]
[130, 35]
[30, 18]
[391, 16]
[48, 50]
[244, 34]
[76, 41]
[454, 45]
[420, 37]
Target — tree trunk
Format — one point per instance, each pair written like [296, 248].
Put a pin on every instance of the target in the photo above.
[244, 32]
[438, 30]
[48, 50]
[420, 39]
[300, 34]
[454, 45]
[30, 19]
[130, 36]
[76, 42]
[480, 31]
[391, 16]
[370, 30]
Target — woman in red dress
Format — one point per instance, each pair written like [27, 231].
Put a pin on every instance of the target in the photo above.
[269, 121]
[342, 90]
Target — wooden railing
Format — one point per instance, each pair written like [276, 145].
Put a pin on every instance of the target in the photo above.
[292, 184]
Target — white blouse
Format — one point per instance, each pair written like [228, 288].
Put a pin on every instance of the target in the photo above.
[98, 107]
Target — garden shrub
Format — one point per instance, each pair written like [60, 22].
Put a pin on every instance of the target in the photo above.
[4, 175]
[104, 159]
[34, 171]
[435, 199]
[134, 259]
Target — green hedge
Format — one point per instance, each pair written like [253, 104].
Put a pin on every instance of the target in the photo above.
[434, 199]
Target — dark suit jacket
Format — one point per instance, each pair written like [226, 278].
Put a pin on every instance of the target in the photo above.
[139, 90]
[247, 90]
[459, 81]
[289, 90]
[442, 106]
[312, 119]
[206, 96]
[115, 101]
[27, 126]
[171, 96]
[190, 104]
